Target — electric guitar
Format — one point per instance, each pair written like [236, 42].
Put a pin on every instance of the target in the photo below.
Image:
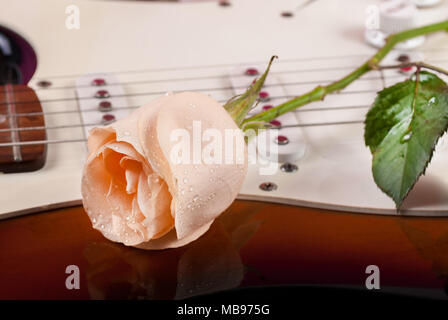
[70, 67]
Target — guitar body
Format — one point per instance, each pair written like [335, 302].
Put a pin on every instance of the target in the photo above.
[317, 215]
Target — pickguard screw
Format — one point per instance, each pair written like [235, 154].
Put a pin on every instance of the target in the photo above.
[403, 58]
[268, 186]
[289, 167]
[43, 84]
[287, 14]
[224, 3]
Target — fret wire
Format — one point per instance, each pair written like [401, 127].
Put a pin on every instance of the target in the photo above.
[366, 55]
[316, 124]
[38, 142]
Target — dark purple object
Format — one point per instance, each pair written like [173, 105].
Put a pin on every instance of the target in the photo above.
[28, 58]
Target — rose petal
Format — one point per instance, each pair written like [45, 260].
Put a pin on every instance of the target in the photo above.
[213, 187]
[136, 194]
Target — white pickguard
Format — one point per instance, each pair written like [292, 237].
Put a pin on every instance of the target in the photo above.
[153, 48]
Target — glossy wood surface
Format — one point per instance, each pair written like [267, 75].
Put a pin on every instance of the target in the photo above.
[252, 244]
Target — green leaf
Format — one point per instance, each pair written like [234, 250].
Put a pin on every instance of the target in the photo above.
[239, 106]
[402, 129]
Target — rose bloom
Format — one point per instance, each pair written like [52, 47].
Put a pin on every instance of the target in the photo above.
[136, 194]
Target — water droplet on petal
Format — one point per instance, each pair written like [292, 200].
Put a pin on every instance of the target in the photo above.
[195, 198]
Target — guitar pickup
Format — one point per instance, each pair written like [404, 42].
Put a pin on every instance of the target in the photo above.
[102, 100]
[22, 127]
[281, 144]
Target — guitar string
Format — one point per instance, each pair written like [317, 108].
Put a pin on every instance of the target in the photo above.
[162, 92]
[200, 89]
[36, 128]
[53, 141]
[207, 77]
[279, 61]
[194, 78]
[88, 125]
[79, 125]
[49, 113]
[138, 94]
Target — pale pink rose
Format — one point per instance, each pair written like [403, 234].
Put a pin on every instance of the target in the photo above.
[136, 194]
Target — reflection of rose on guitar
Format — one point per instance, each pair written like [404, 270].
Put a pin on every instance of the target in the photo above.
[431, 243]
[212, 263]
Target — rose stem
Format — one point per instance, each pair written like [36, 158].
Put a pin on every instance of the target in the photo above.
[321, 91]
[418, 65]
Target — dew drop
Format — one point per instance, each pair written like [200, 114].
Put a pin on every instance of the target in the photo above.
[195, 198]
[406, 137]
[191, 188]
[432, 101]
